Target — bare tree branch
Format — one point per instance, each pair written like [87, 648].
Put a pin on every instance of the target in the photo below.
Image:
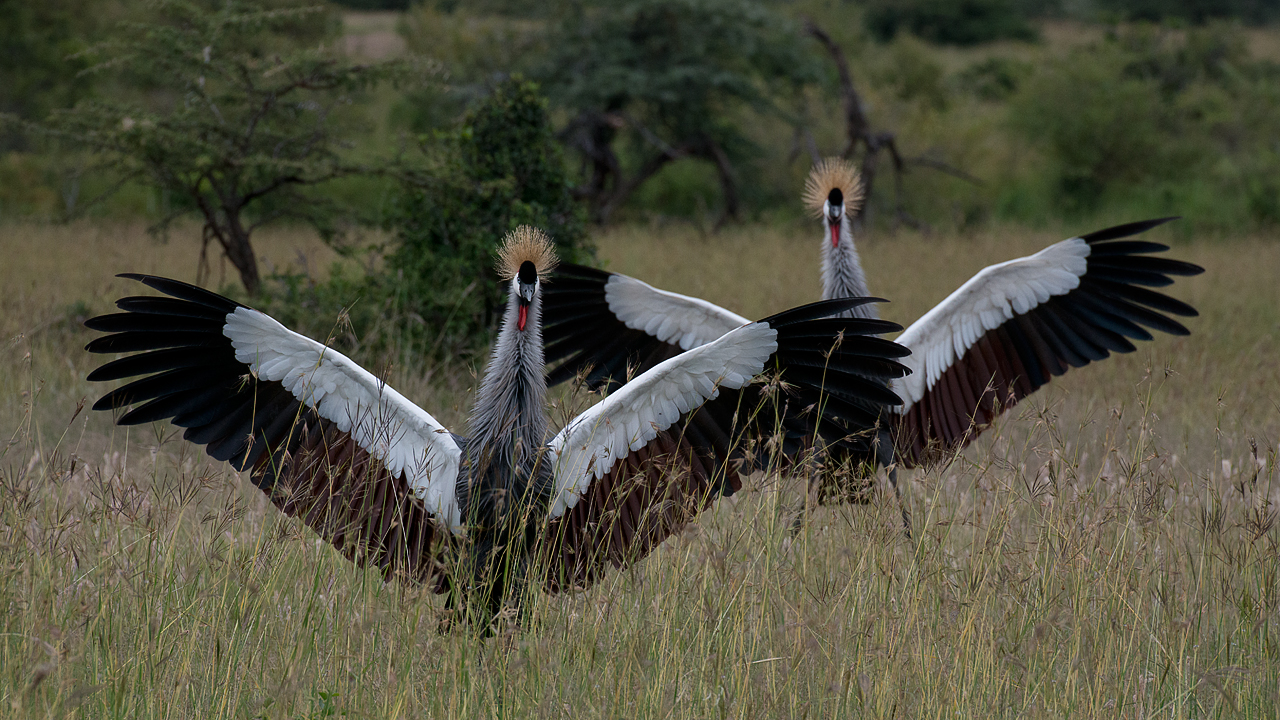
[857, 128]
[858, 132]
[943, 167]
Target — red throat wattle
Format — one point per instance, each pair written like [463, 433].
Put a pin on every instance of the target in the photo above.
[524, 317]
[835, 235]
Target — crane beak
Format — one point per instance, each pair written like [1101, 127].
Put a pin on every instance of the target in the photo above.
[524, 298]
[834, 213]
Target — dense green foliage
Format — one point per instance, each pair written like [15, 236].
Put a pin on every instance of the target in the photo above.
[499, 170]
[969, 22]
[438, 292]
[1195, 11]
[1173, 125]
[474, 49]
[39, 65]
[649, 82]
[704, 109]
[245, 124]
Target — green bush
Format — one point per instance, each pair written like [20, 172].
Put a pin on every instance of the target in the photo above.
[438, 292]
[685, 189]
[473, 47]
[648, 82]
[913, 74]
[1157, 122]
[995, 79]
[1100, 128]
[39, 66]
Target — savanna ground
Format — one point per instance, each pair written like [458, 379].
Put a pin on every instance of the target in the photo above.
[1109, 549]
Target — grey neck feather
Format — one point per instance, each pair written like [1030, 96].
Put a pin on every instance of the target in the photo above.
[842, 274]
[504, 485]
[509, 421]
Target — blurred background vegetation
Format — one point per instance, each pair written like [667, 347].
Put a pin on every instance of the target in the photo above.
[1111, 546]
[478, 115]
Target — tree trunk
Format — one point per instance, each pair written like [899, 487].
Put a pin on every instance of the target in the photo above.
[235, 244]
[222, 222]
[624, 189]
[728, 183]
[240, 253]
[592, 134]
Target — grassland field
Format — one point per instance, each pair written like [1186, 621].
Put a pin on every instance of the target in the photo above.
[1108, 549]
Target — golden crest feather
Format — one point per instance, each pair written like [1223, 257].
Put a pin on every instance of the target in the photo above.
[523, 244]
[827, 175]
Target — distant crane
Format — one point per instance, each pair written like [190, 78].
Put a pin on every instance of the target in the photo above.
[491, 517]
[998, 338]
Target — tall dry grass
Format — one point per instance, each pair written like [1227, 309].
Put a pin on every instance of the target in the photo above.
[1108, 550]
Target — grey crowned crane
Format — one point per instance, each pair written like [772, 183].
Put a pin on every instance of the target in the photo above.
[490, 517]
[1001, 336]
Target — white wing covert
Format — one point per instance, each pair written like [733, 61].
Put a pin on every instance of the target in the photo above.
[325, 440]
[1014, 326]
[605, 326]
[680, 320]
[631, 417]
[394, 430]
[985, 302]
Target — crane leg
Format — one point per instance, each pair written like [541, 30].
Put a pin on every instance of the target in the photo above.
[897, 494]
[885, 457]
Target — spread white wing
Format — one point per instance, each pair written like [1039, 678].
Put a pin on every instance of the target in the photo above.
[607, 326]
[403, 436]
[591, 445]
[637, 466]
[1014, 326]
[369, 471]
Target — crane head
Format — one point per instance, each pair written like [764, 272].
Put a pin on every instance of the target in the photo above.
[525, 257]
[833, 189]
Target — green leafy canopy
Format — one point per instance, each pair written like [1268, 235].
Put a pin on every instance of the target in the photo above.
[244, 113]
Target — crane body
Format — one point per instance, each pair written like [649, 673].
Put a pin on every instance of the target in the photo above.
[491, 517]
[999, 337]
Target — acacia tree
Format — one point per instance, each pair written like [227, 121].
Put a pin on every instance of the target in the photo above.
[653, 81]
[239, 125]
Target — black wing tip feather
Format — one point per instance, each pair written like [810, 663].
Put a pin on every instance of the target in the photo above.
[203, 304]
[830, 308]
[98, 323]
[1127, 229]
[579, 272]
[183, 290]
